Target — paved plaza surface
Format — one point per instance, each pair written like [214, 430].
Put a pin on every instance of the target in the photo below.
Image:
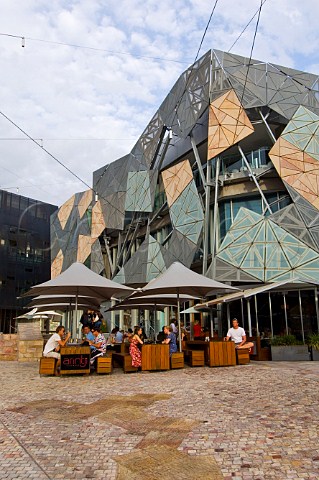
[256, 421]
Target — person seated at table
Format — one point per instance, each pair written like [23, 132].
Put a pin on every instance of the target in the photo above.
[128, 335]
[143, 335]
[99, 344]
[184, 332]
[87, 336]
[118, 335]
[170, 339]
[161, 336]
[238, 335]
[52, 347]
[197, 330]
[134, 350]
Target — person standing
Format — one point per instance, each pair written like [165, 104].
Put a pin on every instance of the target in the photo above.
[197, 330]
[170, 340]
[173, 326]
[86, 319]
[97, 318]
[134, 350]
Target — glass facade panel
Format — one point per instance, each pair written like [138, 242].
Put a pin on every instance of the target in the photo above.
[253, 204]
[225, 219]
[256, 158]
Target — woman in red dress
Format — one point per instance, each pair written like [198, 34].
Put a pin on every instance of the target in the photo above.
[134, 350]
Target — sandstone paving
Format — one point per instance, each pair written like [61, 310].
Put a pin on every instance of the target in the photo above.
[250, 422]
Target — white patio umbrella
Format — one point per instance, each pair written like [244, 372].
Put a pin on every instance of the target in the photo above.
[180, 280]
[36, 314]
[78, 280]
[64, 299]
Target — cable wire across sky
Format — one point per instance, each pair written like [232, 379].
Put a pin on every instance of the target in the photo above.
[39, 142]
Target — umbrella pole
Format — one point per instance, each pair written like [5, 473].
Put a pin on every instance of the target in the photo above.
[69, 317]
[179, 322]
[211, 323]
[155, 319]
[76, 313]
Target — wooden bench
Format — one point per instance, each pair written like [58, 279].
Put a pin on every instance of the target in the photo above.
[242, 356]
[125, 361]
[195, 358]
[47, 366]
[104, 365]
[177, 360]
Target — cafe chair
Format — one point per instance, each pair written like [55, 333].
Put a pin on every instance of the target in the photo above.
[104, 365]
[47, 366]
[177, 360]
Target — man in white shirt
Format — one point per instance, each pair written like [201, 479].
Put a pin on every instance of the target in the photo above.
[238, 335]
[53, 345]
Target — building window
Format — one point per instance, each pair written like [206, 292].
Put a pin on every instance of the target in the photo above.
[2, 241]
[229, 208]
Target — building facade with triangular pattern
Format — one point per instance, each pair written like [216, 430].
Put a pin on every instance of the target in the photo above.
[224, 178]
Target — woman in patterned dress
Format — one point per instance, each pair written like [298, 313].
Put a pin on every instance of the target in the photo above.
[134, 350]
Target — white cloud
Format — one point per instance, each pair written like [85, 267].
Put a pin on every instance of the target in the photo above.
[90, 106]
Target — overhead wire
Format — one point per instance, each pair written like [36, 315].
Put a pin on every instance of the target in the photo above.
[44, 149]
[18, 176]
[247, 25]
[185, 88]
[187, 82]
[59, 161]
[196, 57]
[252, 49]
[85, 47]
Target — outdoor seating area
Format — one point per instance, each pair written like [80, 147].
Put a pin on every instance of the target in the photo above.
[75, 359]
[134, 352]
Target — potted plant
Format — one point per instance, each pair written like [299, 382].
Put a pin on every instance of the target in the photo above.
[313, 343]
[288, 349]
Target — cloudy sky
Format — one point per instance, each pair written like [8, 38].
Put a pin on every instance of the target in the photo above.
[88, 102]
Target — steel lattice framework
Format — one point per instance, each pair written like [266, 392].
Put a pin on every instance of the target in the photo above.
[217, 105]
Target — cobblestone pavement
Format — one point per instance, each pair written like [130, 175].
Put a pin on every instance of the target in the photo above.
[256, 421]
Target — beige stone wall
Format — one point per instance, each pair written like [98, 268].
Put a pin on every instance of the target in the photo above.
[8, 346]
[29, 350]
[12, 348]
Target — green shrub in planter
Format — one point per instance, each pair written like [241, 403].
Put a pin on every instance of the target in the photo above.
[287, 348]
[285, 340]
[313, 341]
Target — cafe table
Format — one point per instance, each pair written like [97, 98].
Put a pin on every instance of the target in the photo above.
[217, 353]
[75, 359]
[155, 357]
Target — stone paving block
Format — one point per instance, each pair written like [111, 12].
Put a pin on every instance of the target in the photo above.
[58, 424]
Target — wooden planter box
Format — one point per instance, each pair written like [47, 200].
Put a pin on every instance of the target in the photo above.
[290, 353]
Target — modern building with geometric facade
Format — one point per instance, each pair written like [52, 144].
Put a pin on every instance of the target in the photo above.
[224, 178]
